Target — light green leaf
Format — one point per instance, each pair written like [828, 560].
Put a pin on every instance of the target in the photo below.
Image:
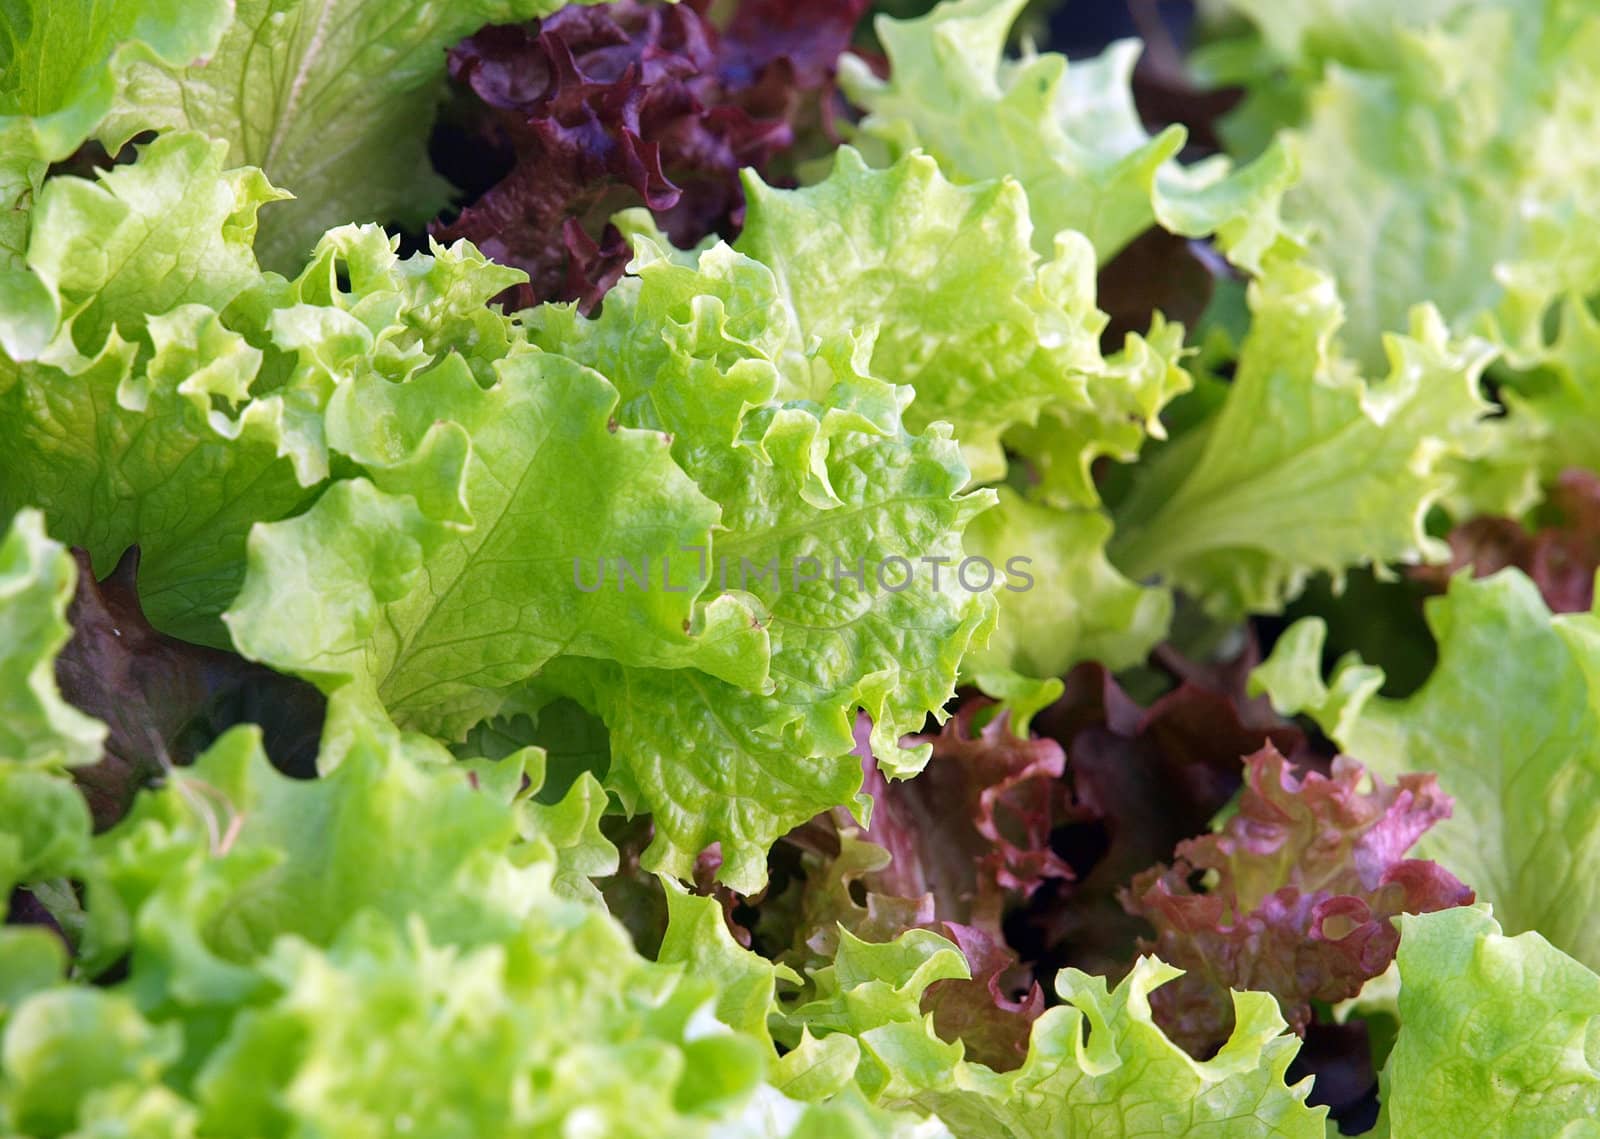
[1097, 1065]
[1072, 604]
[437, 620]
[567, 833]
[1496, 1035]
[113, 429]
[1127, 394]
[116, 457]
[62, 1045]
[31, 960]
[38, 729]
[332, 98]
[44, 821]
[1446, 157]
[1520, 762]
[44, 828]
[1554, 412]
[699, 755]
[127, 1111]
[312, 853]
[818, 1066]
[698, 939]
[390, 1033]
[1350, 32]
[985, 336]
[1069, 133]
[58, 67]
[380, 951]
[1307, 467]
[819, 484]
[175, 227]
[1128, 1077]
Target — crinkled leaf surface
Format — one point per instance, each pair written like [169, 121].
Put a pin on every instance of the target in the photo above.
[1445, 157]
[40, 730]
[1062, 601]
[434, 619]
[967, 316]
[636, 103]
[1096, 1065]
[376, 951]
[1307, 467]
[59, 63]
[1069, 133]
[1142, 780]
[818, 479]
[1507, 722]
[110, 429]
[1301, 887]
[44, 823]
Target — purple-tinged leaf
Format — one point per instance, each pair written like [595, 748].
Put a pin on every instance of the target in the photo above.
[1293, 897]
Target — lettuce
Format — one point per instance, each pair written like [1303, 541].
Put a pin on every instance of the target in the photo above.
[1479, 185]
[1522, 765]
[59, 69]
[1096, 1063]
[1070, 134]
[1304, 882]
[1301, 438]
[795, 684]
[1494, 1030]
[644, 106]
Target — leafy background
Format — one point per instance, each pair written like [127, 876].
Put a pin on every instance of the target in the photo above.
[329, 806]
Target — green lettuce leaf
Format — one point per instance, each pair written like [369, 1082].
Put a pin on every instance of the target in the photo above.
[59, 63]
[435, 619]
[1070, 134]
[1096, 1065]
[1522, 766]
[1306, 467]
[381, 950]
[1073, 605]
[332, 100]
[111, 429]
[774, 408]
[63, 1045]
[175, 227]
[698, 939]
[966, 316]
[242, 854]
[1444, 157]
[39, 730]
[1496, 1033]
[44, 822]
[187, 395]
[1553, 405]
[996, 347]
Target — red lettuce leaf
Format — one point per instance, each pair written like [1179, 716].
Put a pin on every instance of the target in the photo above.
[1017, 848]
[634, 104]
[975, 825]
[992, 1014]
[1293, 897]
[949, 851]
[1143, 780]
